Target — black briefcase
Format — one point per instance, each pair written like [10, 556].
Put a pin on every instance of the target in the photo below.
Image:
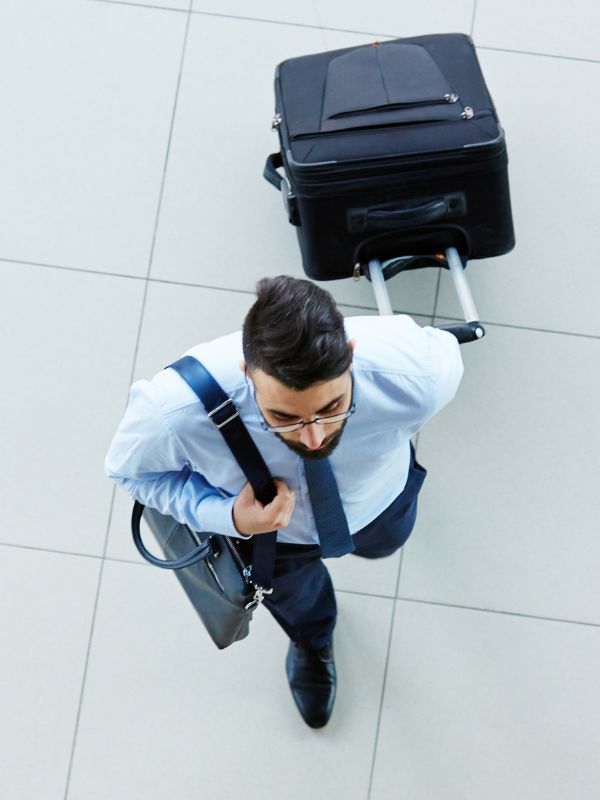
[390, 149]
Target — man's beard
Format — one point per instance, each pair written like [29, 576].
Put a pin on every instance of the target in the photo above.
[315, 455]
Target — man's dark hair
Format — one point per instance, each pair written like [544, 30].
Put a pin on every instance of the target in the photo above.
[295, 333]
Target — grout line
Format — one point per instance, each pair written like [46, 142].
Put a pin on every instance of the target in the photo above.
[387, 658]
[167, 282]
[538, 617]
[144, 5]
[134, 360]
[344, 30]
[385, 674]
[473, 18]
[169, 140]
[521, 327]
[51, 550]
[541, 55]
[89, 645]
[293, 24]
[132, 562]
[84, 679]
[480, 610]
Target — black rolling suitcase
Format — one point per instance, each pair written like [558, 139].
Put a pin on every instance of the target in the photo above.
[389, 149]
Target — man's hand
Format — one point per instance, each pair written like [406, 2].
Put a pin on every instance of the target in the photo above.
[250, 516]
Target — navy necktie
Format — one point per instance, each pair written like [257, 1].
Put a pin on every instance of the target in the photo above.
[328, 512]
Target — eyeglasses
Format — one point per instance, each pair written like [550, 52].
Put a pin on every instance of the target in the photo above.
[296, 426]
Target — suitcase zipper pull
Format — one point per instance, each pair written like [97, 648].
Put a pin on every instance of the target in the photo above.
[451, 97]
[467, 113]
[275, 122]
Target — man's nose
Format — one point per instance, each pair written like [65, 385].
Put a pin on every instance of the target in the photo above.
[312, 435]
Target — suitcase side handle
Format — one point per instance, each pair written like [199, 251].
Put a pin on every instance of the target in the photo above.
[364, 219]
[273, 162]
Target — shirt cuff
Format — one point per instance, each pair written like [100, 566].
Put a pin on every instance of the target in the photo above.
[218, 512]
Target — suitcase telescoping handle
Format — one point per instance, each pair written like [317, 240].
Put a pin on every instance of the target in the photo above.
[468, 331]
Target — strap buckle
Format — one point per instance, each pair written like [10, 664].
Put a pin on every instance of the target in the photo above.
[258, 597]
[219, 420]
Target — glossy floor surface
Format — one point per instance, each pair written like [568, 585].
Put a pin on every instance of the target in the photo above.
[135, 223]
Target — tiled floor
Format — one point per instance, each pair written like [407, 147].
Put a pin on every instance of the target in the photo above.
[135, 222]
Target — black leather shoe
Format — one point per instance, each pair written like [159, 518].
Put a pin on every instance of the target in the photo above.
[311, 674]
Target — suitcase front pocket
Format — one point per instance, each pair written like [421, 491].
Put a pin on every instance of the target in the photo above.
[386, 84]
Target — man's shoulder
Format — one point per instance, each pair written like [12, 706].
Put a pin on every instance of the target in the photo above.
[221, 357]
[390, 344]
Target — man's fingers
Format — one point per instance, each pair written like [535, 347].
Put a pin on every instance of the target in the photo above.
[250, 516]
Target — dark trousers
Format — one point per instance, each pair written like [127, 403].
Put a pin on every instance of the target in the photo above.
[303, 601]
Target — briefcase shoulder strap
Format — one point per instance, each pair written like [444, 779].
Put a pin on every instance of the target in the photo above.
[223, 413]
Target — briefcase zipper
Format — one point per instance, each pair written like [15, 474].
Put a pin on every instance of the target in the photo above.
[215, 576]
[246, 569]
[259, 591]
[207, 561]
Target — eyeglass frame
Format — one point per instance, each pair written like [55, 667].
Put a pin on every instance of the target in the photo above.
[331, 419]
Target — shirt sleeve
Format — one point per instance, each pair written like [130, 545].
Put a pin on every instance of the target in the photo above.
[147, 460]
[446, 367]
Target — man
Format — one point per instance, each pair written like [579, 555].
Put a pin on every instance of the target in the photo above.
[331, 405]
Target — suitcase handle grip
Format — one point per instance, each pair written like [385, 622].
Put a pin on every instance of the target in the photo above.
[392, 218]
[465, 331]
[363, 219]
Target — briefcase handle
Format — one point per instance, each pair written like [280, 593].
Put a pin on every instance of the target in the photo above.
[195, 555]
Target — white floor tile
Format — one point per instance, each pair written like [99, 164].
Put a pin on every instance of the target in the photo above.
[484, 705]
[68, 340]
[477, 704]
[172, 5]
[277, 10]
[46, 617]
[221, 223]
[509, 513]
[86, 124]
[395, 19]
[551, 279]
[557, 28]
[364, 575]
[120, 543]
[166, 713]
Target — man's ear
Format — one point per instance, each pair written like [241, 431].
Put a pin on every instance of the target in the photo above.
[243, 366]
[352, 344]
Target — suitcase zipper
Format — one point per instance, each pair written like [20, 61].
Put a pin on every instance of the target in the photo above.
[467, 114]
[450, 97]
[334, 175]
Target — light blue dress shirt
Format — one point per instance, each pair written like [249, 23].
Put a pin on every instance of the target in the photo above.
[169, 455]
